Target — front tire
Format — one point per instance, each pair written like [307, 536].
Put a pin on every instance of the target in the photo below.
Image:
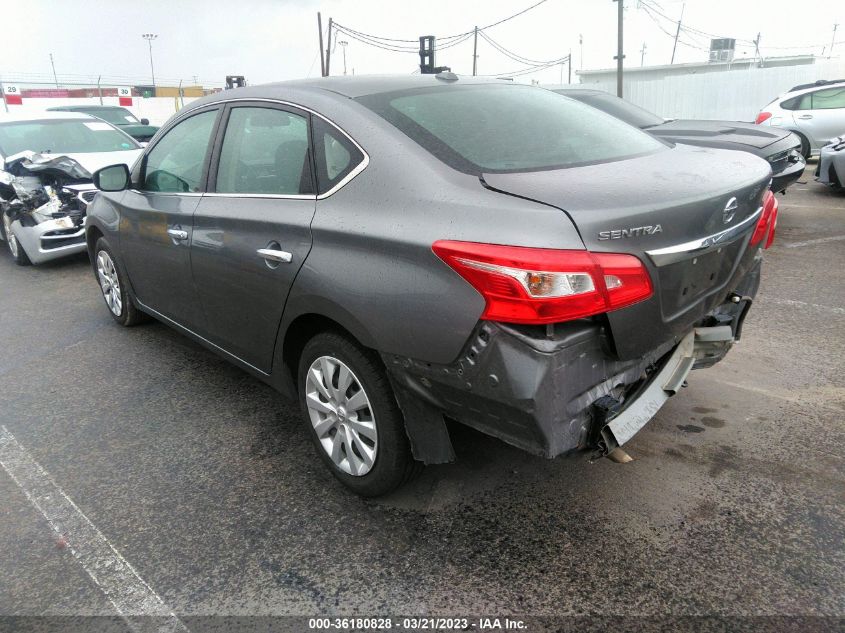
[352, 416]
[113, 286]
[18, 254]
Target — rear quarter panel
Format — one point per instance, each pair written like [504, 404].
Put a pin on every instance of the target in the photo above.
[371, 267]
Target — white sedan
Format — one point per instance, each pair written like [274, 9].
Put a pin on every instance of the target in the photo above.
[46, 162]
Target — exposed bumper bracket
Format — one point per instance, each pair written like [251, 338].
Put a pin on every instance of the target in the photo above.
[664, 384]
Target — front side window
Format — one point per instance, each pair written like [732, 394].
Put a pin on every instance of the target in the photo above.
[175, 164]
[508, 128]
[265, 151]
[337, 156]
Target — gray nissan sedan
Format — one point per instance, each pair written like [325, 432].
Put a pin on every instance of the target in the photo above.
[396, 252]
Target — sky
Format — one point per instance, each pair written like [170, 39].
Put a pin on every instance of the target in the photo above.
[273, 40]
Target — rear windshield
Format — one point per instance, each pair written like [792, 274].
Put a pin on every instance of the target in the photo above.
[508, 128]
[621, 109]
[115, 116]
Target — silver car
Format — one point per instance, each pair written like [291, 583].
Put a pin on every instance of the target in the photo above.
[46, 161]
[815, 112]
[831, 168]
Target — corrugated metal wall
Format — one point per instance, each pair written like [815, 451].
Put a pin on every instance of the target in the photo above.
[735, 95]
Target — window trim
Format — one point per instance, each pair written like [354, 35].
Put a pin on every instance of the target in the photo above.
[217, 148]
[342, 183]
[142, 164]
[217, 132]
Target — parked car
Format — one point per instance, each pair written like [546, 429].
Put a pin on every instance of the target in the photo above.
[815, 112]
[120, 117]
[780, 148]
[831, 167]
[398, 251]
[46, 162]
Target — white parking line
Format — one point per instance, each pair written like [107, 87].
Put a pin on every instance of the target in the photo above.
[118, 580]
[821, 240]
[804, 304]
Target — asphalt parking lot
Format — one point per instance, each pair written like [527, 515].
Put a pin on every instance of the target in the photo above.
[205, 482]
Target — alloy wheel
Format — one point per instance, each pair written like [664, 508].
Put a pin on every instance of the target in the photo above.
[109, 283]
[341, 415]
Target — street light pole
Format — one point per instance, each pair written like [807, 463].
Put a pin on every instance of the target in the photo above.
[344, 43]
[150, 37]
[53, 64]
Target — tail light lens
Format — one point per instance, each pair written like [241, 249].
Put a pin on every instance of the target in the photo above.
[768, 220]
[762, 117]
[537, 285]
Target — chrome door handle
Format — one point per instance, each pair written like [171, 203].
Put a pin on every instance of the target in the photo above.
[177, 234]
[274, 255]
[806, 116]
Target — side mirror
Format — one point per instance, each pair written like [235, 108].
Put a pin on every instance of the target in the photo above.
[145, 121]
[112, 178]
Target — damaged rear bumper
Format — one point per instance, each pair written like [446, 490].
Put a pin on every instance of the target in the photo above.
[553, 390]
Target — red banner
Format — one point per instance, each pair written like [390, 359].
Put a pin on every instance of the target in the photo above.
[13, 99]
[126, 101]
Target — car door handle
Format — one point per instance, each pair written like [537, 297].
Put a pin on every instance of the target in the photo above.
[177, 234]
[274, 255]
[805, 116]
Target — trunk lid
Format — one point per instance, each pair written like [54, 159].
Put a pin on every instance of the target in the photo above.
[719, 134]
[687, 213]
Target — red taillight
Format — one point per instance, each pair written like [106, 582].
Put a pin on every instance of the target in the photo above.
[773, 223]
[539, 285]
[762, 117]
[768, 220]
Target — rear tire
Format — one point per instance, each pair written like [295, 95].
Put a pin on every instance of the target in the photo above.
[113, 286]
[352, 416]
[18, 254]
[805, 145]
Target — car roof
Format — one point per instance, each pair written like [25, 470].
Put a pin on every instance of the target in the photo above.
[84, 108]
[13, 117]
[350, 86]
[821, 83]
[810, 88]
[583, 91]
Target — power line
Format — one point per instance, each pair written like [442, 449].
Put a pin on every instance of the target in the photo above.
[446, 38]
[509, 53]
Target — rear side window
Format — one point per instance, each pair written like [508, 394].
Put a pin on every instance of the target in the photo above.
[507, 128]
[830, 99]
[177, 161]
[265, 151]
[336, 155]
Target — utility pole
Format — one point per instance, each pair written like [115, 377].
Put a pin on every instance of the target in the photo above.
[677, 33]
[150, 37]
[581, 43]
[475, 51]
[322, 52]
[757, 50]
[832, 41]
[343, 44]
[642, 55]
[329, 50]
[569, 67]
[619, 47]
[56, 79]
